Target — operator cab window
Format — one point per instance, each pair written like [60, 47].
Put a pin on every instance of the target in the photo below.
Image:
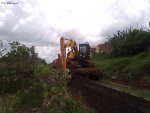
[82, 49]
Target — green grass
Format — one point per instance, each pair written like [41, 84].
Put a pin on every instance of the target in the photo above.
[128, 89]
[131, 69]
[43, 70]
[13, 105]
[105, 61]
[134, 64]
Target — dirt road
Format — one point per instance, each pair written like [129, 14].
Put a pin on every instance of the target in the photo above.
[106, 100]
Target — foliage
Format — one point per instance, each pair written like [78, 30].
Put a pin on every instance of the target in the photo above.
[16, 66]
[43, 69]
[130, 42]
[34, 84]
[32, 96]
[57, 98]
[147, 79]
[19, 61]
[47, 92]
[1, 48]
[26, 99]
[12, 106]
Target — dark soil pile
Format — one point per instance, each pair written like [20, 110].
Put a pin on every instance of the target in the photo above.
[106, 100]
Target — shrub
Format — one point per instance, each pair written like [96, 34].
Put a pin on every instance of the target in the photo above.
[18, 64]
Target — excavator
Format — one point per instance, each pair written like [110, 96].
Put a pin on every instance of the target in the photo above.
[78, 61]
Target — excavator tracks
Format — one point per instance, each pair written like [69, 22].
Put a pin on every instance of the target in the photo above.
[91, 73]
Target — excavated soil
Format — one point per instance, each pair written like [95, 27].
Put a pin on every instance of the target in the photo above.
[106, 100]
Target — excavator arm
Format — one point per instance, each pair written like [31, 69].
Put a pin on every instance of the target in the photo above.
[64, 43]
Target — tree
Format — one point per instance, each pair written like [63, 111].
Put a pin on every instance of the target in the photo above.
[20, 60]
[130, 42]
[1, 48]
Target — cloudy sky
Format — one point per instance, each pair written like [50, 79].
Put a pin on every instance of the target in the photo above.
[42, 22]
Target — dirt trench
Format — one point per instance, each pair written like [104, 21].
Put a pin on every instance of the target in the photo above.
[106, 100]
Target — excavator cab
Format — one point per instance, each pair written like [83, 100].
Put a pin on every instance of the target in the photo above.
[84, 50]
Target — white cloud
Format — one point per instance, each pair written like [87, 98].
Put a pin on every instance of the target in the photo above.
[84, 15]
[1, 23]
[48, 52]
[7, 12]
[42, 22]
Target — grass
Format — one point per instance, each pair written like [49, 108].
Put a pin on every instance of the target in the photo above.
[106, 61]
[43, 70]
[12, 105]
[135, 64]
[128, 89]
[130, 69]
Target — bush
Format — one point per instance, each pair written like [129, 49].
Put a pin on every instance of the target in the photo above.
[18, 64]
[57, 98]
[12, 107]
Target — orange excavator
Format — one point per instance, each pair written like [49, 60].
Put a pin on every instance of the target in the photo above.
[78, 61]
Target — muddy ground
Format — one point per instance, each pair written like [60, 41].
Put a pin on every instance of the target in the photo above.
[106, 100]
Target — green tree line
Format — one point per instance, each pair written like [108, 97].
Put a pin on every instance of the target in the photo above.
[130, 42]
[18, 63]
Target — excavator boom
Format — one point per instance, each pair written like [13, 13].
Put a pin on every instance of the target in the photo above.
[63, 52]
[64, 43]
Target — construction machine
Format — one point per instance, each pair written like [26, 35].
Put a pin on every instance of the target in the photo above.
[78, 60]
